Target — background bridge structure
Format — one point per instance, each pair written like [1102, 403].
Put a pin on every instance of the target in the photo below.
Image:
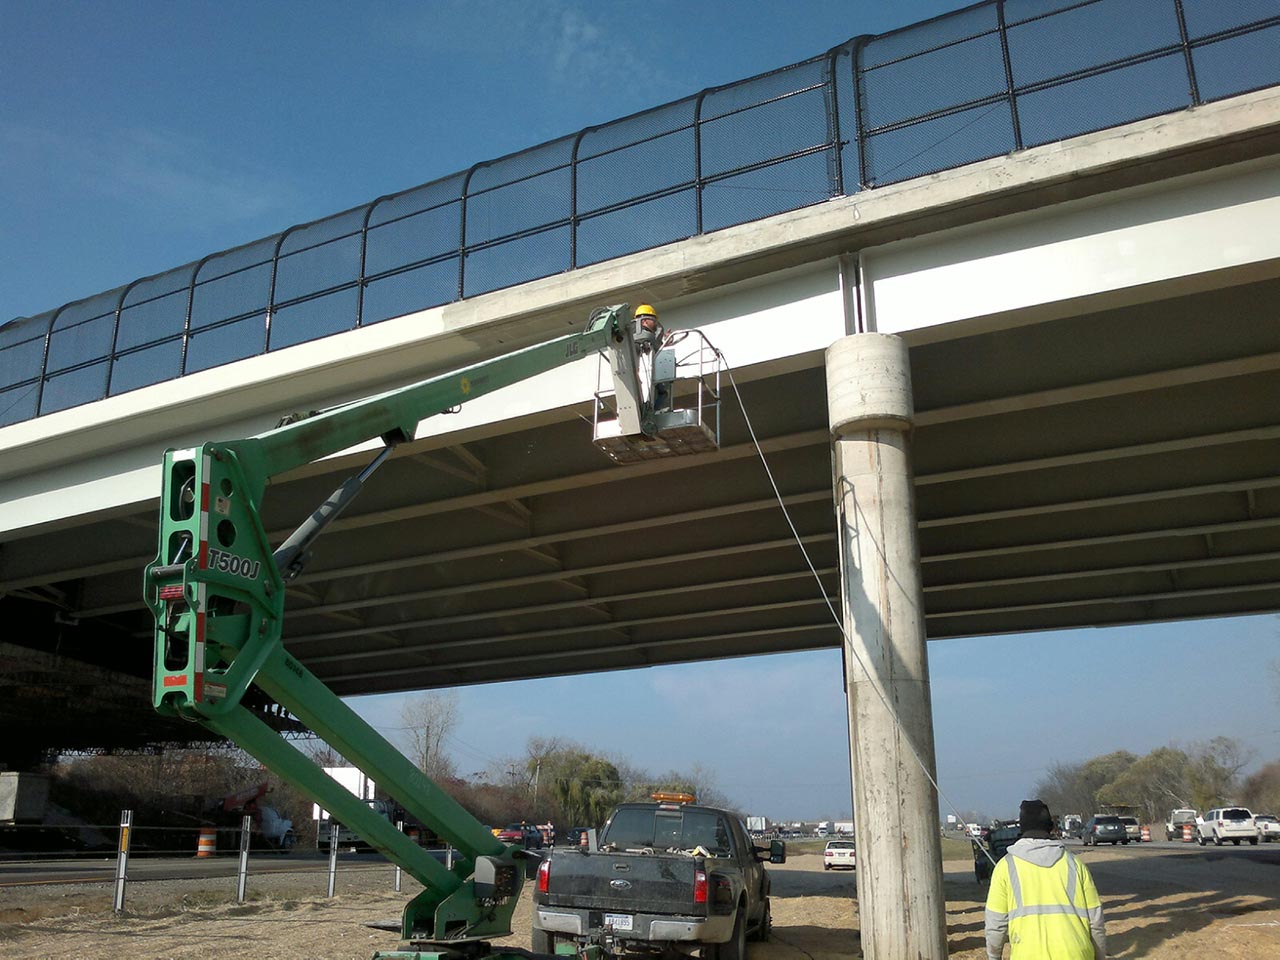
[1066, 209]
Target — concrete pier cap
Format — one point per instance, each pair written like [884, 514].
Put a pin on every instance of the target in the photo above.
[868, 384]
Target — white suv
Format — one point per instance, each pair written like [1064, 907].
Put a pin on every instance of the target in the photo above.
[1226, 823]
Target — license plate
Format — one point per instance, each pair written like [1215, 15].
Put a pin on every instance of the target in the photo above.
[619, 921]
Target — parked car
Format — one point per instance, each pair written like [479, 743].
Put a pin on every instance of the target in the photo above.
[1104, 829]
[1226, 823]
[1268, 827]
[839, 855]
[525, 834]
[1132, 828]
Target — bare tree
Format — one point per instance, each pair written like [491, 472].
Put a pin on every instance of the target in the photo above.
[322, 754]
[1261, 792]
[1155, 784]
[428, 719]
[1215, 769]
[1074, 787]
[1061, 787]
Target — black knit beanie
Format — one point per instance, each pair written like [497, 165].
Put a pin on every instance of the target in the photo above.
[1034, 819]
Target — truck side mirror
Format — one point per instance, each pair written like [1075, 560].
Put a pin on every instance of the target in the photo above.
[777, 851]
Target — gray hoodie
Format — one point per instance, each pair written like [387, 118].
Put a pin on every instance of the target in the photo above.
[1041, 853]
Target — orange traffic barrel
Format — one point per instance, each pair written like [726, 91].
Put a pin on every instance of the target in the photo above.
[1146, 834]
[207, 845]
[1186, 833]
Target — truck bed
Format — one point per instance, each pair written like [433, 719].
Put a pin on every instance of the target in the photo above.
[626, 881]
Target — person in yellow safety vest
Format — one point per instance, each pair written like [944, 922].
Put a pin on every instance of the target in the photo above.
[1042, 899]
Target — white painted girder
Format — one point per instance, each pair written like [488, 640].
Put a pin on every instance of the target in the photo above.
[1061, 260]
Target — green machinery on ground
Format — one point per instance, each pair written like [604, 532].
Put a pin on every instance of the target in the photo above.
[217, 592]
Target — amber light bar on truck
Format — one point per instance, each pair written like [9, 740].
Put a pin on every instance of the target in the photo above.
[664, 797]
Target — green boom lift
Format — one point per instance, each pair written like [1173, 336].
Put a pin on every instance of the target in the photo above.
[217, 592]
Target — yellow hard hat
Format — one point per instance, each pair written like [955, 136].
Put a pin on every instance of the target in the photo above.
[646, 310]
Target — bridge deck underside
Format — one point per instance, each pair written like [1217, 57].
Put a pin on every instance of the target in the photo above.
[1116, 468]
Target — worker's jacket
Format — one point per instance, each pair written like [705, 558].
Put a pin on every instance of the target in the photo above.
[1043, 901]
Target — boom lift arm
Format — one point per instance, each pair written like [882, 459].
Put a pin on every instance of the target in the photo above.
[217, 591]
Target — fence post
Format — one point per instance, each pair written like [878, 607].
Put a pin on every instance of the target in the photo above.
[333, 854]
[246, 825]
[400, 827]
[122, 857]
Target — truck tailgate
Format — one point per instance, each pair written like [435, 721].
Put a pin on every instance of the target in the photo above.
[623, 882]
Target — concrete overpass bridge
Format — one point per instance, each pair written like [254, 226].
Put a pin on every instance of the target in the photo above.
[1092, 343]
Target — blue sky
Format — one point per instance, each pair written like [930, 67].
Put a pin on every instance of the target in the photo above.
[1004, 707]
[138, 137]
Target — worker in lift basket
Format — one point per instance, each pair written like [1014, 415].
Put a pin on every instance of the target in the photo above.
[1042, 899]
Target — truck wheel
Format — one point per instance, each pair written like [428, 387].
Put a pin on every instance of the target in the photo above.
[735, 948]
[765, 927]
[542, 941]
[1199, 839]
[1253, 841]
[1217, 840]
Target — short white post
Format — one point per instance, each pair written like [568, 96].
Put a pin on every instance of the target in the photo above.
[400, 827]
[333, 855]
[246, 827]
[122, 857]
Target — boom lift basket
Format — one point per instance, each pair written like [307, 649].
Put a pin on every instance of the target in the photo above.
[681, 409]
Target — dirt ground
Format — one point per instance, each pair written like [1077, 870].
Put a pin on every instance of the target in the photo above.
[1201, 910]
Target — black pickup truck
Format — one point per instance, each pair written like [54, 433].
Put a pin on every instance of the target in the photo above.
[667, 877]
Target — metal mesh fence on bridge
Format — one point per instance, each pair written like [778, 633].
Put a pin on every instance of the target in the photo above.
[974, 84]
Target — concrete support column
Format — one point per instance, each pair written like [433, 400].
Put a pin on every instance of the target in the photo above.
[900, 899]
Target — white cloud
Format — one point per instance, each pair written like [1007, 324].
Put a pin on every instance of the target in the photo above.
[183, 174]
[579, 48]
[157, 170]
